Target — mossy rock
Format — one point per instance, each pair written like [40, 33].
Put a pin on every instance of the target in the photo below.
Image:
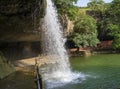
[6, 68]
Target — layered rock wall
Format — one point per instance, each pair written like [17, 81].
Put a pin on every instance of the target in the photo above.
[19, 19]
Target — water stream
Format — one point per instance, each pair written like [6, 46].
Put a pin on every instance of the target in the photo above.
[53, 40]
[53, 46]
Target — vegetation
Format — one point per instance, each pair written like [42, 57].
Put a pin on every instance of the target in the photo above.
[114, 28]
[103, 25]
[85, 33]
[67, 7]
[108, 20]
[98, 9]
[97, 5]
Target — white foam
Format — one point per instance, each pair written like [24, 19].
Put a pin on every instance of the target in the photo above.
[60, 79]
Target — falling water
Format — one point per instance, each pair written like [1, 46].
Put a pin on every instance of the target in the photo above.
[53, 46]
[53, 39]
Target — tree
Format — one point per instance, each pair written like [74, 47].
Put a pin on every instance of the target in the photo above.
[108, 20]
[103, 29]
[99, 11]
[85, 24]
[115, 8]
[116, 42]
[67, 7]
[85, 33]
[114, 27]
[114, 30]
[97, 5]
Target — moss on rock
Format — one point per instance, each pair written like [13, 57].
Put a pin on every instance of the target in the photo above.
[6, 68]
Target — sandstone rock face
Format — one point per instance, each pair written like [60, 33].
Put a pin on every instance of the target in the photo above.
[67, 24]
[19, 19]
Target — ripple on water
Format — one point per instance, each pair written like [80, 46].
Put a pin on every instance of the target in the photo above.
[59, 79]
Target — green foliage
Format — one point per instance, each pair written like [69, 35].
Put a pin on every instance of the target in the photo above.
[103, 28]
[115, 7]
[114, 11]
[85, 24]
[116, 42]
[114, 30]
[114, 27]
[73, 13]
[85, 33]
[84, 40]
[98, 11]
[82, 11]
[107, 17]
[98, 5]
[67, 7]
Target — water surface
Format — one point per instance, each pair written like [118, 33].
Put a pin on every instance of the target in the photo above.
[96, 72]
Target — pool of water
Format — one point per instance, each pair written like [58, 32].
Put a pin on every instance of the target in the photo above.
[96, 72]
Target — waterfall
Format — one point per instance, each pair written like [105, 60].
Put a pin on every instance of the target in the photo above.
[53, 40]
[53, 46]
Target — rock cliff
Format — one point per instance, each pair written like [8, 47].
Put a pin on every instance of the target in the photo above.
[67, 25]
[19, 19]
[19, 29]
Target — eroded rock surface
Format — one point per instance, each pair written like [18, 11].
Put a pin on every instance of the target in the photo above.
[19, 19]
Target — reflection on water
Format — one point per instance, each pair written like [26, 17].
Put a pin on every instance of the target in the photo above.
[18, 80]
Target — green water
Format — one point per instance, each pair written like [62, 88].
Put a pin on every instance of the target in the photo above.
[101, 71]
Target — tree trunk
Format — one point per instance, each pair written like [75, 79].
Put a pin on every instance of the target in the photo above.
[77, 49]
